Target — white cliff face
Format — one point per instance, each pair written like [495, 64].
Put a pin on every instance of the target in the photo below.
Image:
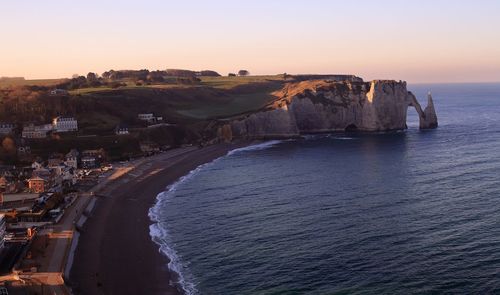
[321, 106]
[277, 123]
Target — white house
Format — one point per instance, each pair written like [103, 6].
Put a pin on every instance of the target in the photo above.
[3, 227]
[146, 117]
[150, 118]
[121, 130]
[65, 124]
[32, 131]
[6, 128]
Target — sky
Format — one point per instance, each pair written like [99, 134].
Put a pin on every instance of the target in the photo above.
[417, 41]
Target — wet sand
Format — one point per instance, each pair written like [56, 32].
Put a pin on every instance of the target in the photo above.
[115, 253]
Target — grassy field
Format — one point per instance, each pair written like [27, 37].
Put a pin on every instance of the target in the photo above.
[231, 82]
[245, 94]
[237, 104]
[215, 97]
[4, 83]
[83, 91]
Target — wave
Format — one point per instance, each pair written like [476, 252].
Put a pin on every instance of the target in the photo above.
[255, 147]
[160, 235]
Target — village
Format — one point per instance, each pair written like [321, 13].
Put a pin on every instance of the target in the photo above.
[43, 205]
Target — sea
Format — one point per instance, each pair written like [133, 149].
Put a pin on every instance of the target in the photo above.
[409, 212]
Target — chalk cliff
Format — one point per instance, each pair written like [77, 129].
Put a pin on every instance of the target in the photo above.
[327, 106]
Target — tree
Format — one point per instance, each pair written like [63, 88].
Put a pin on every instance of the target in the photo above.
[9, 146]
[155, 76]
[243, 73]
[231, 75]
[209, 73]
[91, 77]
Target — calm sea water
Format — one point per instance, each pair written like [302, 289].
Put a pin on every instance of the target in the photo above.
[395, 213]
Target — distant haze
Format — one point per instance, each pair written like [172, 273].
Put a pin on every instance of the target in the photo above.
[417, 41]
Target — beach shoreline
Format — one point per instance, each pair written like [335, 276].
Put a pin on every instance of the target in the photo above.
[115, 252]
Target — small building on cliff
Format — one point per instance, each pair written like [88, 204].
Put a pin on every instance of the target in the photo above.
[65, 124]
[6, 128]
[31, 131]
[121, 129]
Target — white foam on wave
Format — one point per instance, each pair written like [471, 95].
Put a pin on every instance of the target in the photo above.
[160, 235]
[256, 147]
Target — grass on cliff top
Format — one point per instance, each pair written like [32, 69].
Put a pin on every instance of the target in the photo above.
[6, 83]
[245, 94]
[238, 104]
[231, 82]
[238, 95]
[213, 82]
[90, 90]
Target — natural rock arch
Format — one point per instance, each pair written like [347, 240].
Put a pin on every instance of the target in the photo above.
[427, 117]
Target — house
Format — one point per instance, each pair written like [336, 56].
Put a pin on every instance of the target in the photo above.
[55, 159]
[121, 130]
[37, 184]
[42, 172]
[37, 165]
[89, 162]
[56, 92]
[100, 154]
[46, 127]
[3, 228]
[69, 175]
[72, 159]
[149, 117]
[65, 124]
[6, 128]
[64, 175]
[32, 131]
[93, 158]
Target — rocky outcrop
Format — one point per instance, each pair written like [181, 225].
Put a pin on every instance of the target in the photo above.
[429, 120]
[328, 106]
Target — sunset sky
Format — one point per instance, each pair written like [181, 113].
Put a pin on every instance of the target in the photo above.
[417, 41]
